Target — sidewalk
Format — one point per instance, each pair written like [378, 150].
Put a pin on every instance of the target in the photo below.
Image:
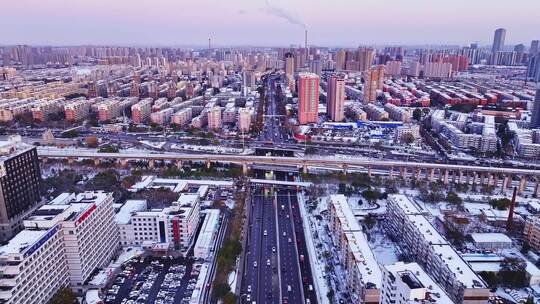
[316, 267]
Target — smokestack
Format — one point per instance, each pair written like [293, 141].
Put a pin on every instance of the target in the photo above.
[209, 43]
[510, 220]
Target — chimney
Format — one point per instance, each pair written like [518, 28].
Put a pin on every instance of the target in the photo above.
[509, 222]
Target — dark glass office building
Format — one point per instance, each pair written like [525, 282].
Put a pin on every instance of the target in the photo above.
[20, 179]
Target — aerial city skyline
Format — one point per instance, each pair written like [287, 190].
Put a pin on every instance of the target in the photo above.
[269, 152]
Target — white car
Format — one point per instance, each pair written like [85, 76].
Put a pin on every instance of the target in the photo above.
[268, 262]
[255, 264]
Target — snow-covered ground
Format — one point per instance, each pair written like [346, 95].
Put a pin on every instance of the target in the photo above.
[317, 266]
[215, 149]
[153, 144]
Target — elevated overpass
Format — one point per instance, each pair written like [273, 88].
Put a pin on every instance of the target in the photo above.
[492, 176]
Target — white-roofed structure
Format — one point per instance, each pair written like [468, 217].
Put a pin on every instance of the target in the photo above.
[355, 253]
[207, 235]
[419, 239]
[491, 241]
[409, 283]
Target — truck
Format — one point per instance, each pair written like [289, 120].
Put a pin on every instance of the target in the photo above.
[301, 258]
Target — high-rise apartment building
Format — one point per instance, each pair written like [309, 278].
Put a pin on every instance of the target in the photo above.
[141, 110]
[365, 59]
[535, 117]
[535, 47]
[335, 97]
[340, 59]
[20, 180]
[214, 118]
[63, 244]
[373, 81]
[498, 40]
[533, 68]
[393, 68]
[308, 98]
[289, 64]
[531, 232]
[244, 119]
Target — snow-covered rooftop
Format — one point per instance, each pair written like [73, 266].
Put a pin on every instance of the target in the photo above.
[461, 269]
[413, 269]
[21, 241]
[128, 208]
[490, 238]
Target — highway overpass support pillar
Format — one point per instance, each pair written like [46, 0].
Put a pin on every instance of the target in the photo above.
[71, 160]
[490, 179]
[245, 168]
[475, 178]
[151, 164]
[178, 164]
[445, 180]
[123, 162]
[391, 174]
[431, 175]
[369, 172]
[208, 164]
[536, 187]
[305, 168]
[97, 161]
[506, 180]
[522, 184]
[495, 180]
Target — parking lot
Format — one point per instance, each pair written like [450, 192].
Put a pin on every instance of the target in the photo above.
[164, 280]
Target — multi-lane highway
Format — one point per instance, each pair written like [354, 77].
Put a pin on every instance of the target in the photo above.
[260, 277]
[291, 284]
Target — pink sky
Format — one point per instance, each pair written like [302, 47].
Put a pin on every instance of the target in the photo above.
[267, 22]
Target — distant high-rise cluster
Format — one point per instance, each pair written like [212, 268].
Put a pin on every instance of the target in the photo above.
[535, 118]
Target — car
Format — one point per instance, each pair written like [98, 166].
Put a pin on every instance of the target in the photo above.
[290, 240]
[248, 297]
[249, 288]
[289, 288]
[284, 233]
[255, 264]
[274, 249]
[265, 233]
[268, 262]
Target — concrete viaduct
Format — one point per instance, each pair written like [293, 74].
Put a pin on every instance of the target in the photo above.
[503, 177]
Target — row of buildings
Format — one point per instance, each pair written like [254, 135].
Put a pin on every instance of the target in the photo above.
[464, 131]
[419, 239]
[370, 282]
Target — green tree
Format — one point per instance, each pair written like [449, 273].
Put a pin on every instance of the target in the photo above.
[417, 114]
[370, 220]
[500, 204]
[454, 199]
[109, 149]
[70, 134]
[371, 195]
[220, 290]
[229, 298]
[64, 296]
